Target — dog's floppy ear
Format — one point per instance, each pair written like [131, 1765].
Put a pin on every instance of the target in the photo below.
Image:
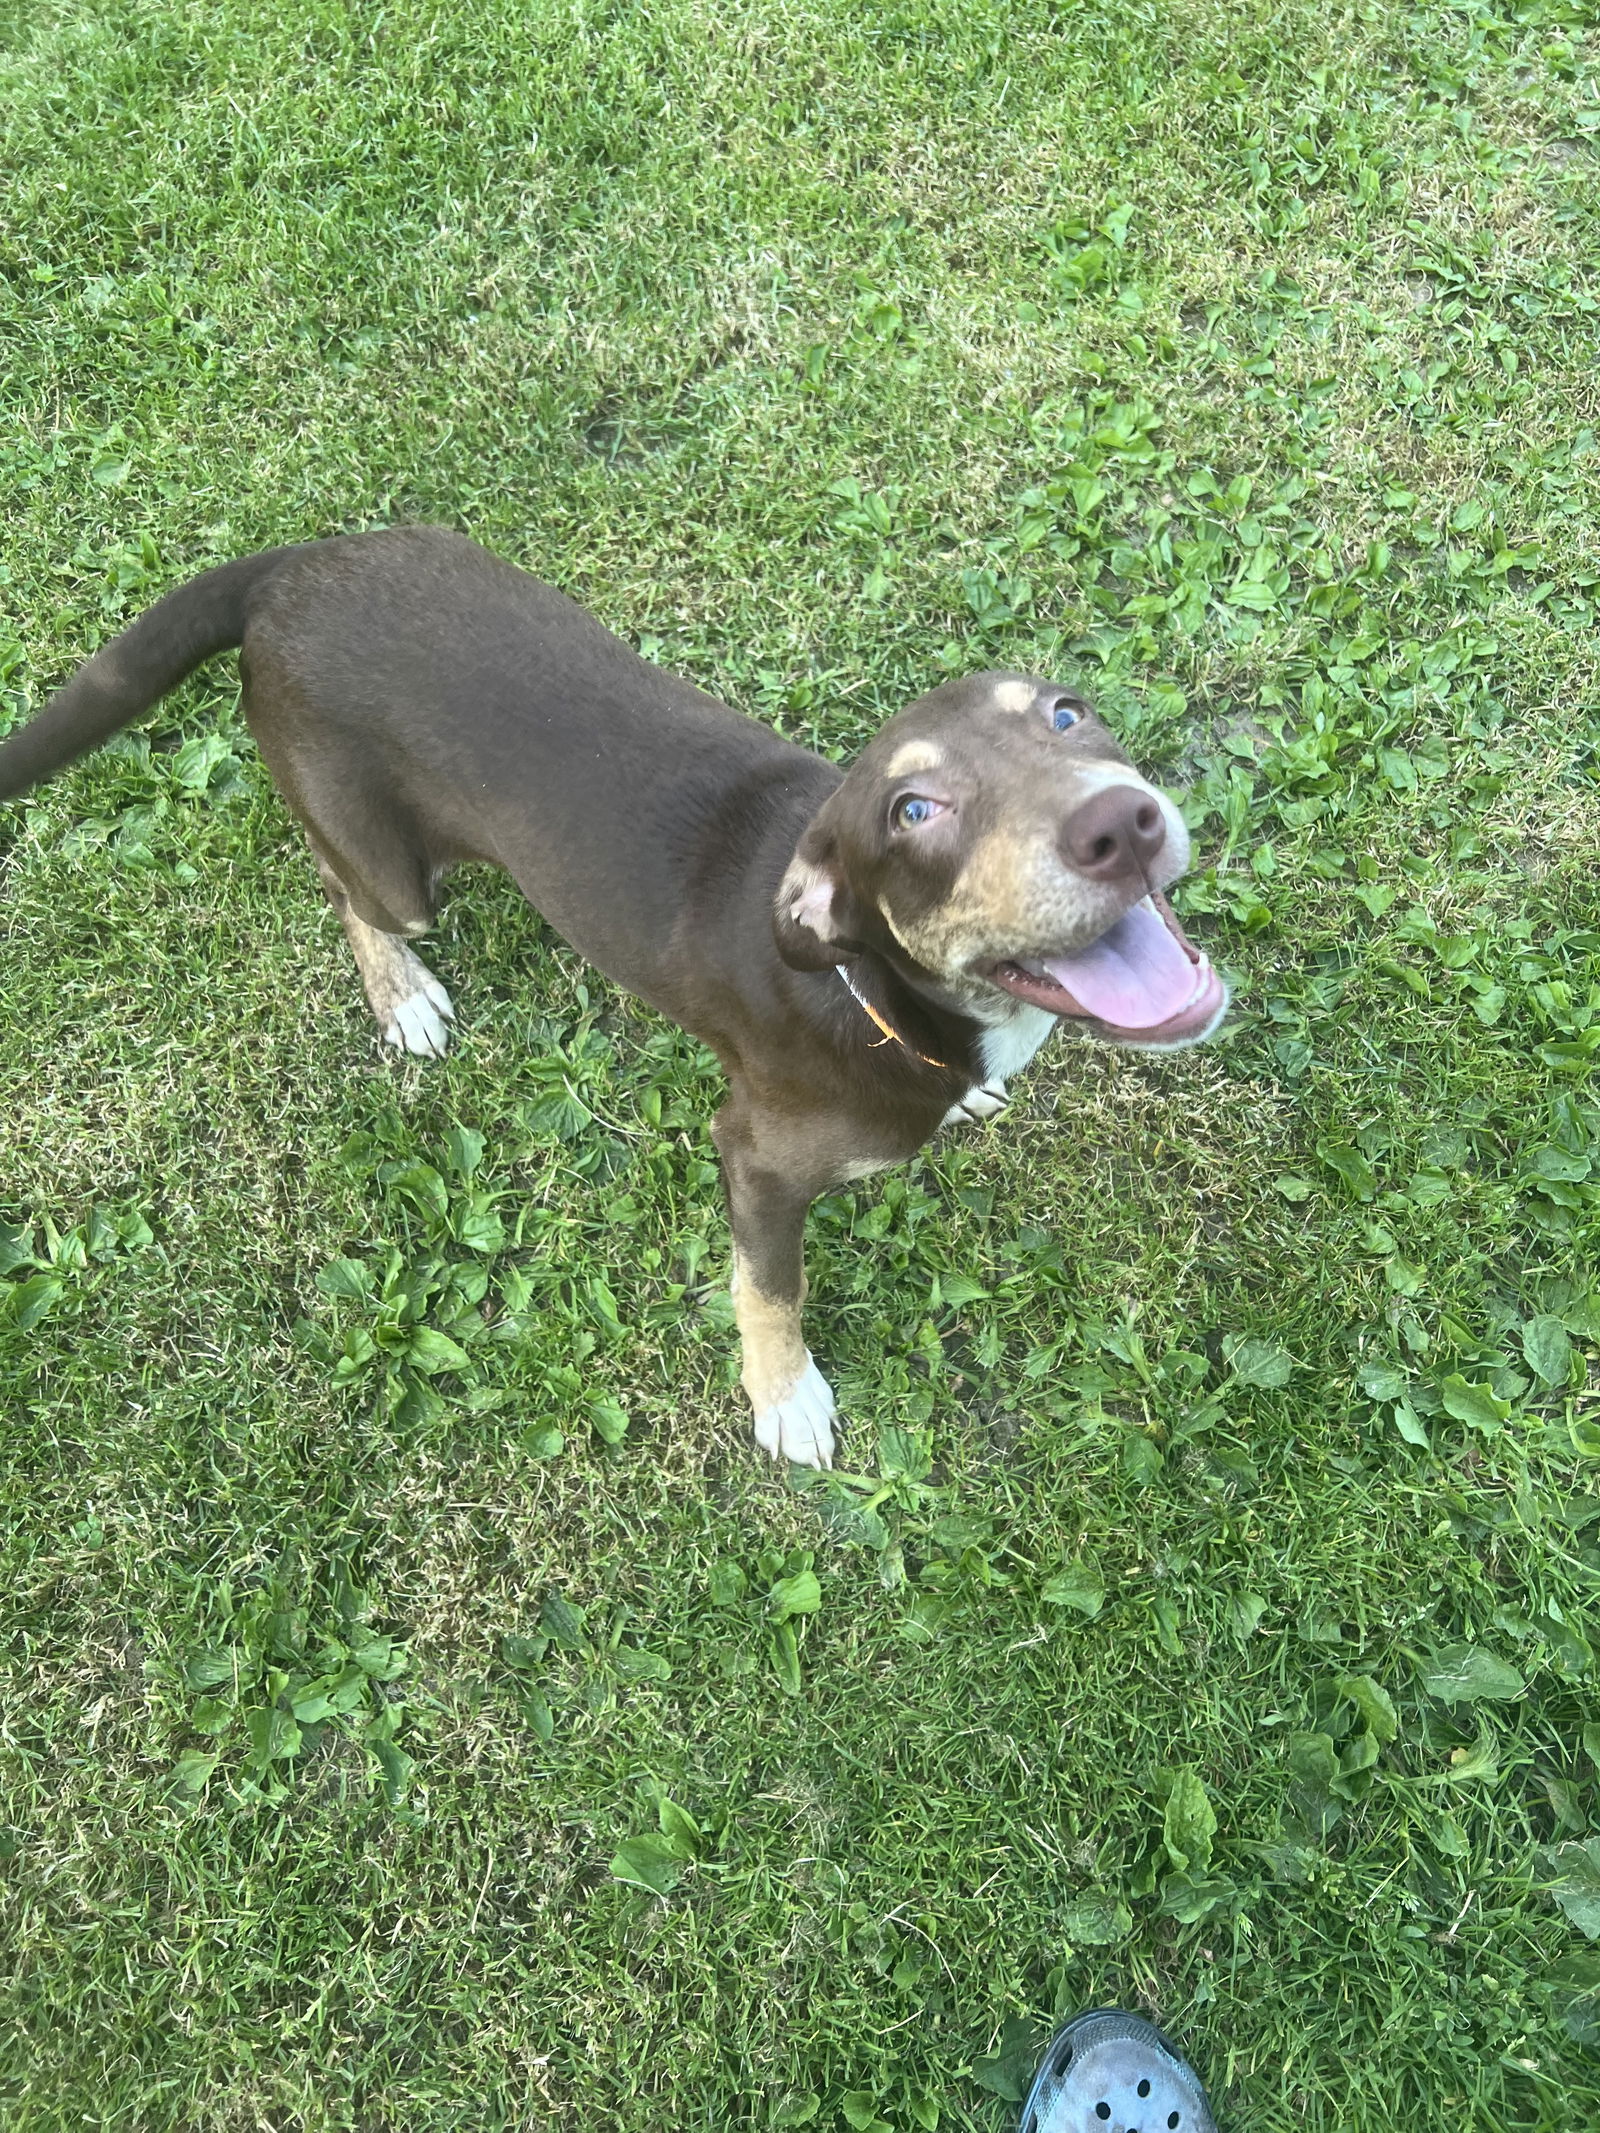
[816, 920]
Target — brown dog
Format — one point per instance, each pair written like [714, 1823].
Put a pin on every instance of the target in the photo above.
[870, 954]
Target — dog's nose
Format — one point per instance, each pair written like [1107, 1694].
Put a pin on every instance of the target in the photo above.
[1115, 835]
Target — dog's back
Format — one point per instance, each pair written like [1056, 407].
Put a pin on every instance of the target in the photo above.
[420, 702]
[408, 686]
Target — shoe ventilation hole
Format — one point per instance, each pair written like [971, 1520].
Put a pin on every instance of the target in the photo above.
[1144, 2088]
[1173, 2117]
[1102, 2109]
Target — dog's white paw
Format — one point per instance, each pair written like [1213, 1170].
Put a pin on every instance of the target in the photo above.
[800, 1425]
[417, 1024]
[982, 1100]
[435, 992]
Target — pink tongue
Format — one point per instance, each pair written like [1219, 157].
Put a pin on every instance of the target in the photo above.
[1134, 977]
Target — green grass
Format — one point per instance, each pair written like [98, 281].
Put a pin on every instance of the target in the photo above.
[1222, 1429]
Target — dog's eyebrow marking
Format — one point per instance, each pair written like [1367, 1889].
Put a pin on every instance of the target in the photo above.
[915, 755]
[1014, 695]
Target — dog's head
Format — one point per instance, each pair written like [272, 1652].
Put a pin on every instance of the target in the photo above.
[996, 843]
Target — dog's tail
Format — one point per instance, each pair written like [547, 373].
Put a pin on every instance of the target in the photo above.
[135, 670]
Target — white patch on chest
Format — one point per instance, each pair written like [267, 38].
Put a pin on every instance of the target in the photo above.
[1008, 1046]
[1004, 1049]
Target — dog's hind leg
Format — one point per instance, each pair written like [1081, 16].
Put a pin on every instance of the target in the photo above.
[411, 1008]
[375, 858]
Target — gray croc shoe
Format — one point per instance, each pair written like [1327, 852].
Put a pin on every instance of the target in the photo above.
[1108, 2072]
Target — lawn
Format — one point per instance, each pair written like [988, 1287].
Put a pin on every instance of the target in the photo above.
[423, 1706]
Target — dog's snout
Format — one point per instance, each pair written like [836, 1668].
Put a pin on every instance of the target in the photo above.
[1115, 835]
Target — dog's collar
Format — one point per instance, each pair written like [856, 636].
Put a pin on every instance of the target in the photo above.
[890, 1033]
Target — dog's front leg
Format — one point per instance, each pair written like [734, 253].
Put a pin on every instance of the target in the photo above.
[767, 1212]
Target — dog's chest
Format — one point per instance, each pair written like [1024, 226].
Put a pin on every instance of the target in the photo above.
[1009, 1045]
[1004, 1050]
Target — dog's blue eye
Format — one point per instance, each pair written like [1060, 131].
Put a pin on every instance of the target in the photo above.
[911, 811]
[1063, 716]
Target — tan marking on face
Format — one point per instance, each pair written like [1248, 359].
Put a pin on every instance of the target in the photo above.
[774, 1358]
[914, 755]
[1016, 896]
[1014, 695]
[995, 898]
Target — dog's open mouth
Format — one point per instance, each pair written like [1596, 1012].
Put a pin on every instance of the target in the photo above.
[1143, 980]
